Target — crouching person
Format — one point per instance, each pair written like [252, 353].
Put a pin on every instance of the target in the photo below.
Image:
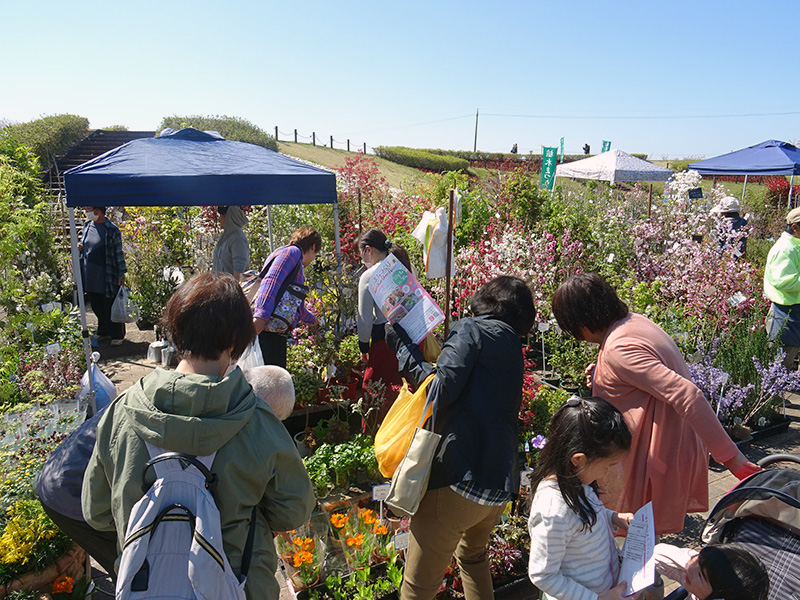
[197, 411]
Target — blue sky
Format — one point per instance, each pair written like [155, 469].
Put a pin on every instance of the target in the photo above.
[658, 78]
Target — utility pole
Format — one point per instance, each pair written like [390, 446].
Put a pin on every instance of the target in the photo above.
[475, 144]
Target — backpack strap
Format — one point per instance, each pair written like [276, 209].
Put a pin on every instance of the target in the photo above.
[247, 553]
[162, 461]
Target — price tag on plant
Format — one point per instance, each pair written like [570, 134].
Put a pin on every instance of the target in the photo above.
[525, 477]
[380, 492]
[724, 378]
[47, 307]
[401, 540]
[52, 348]
[737, 299]
[542, 327]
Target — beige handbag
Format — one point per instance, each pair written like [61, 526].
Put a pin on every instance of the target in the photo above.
[410, 480]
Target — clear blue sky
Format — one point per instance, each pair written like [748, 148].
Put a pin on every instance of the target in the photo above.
[658, 78]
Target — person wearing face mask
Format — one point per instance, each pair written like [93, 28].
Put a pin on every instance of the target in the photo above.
[232, 252]
[103, 270]
[197, 410]
[373, 247]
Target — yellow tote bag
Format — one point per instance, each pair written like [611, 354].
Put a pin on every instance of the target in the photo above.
[397, 429]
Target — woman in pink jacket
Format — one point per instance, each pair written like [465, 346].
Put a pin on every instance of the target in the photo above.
[641, 371]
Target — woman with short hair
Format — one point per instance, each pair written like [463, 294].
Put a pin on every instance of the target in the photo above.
[198, 410]
[285, 262]
[477, 387]
[641, 371]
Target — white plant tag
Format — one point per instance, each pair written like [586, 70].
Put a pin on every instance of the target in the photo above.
[401, 540]
[380, 491]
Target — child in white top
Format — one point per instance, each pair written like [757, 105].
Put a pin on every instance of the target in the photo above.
[573, 553]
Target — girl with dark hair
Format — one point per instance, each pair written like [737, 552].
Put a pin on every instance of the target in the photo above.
[722, 571]
[573, 554]
[285, 262]
[374, 247]
[641, 371]
[477, 387]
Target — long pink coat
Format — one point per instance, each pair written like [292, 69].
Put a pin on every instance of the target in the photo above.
[641, 371]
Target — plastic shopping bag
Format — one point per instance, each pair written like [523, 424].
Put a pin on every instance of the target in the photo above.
[124, 309]
[251, 357]
[104, 390]
[395, 433]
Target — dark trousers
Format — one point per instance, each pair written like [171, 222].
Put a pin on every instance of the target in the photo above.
[100, 545]
[273, 347]
[101, 307]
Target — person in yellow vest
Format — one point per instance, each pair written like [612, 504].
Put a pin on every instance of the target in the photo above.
[782, 287]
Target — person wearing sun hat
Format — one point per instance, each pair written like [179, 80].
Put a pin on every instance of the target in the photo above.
[730, 221]
[782, 287]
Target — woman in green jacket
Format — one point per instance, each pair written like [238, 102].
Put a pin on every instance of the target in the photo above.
[197, 410]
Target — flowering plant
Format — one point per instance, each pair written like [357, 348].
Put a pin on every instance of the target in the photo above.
[66, 588]
[303, 554]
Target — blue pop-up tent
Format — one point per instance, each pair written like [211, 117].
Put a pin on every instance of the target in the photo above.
[191, 168]
[772, 157]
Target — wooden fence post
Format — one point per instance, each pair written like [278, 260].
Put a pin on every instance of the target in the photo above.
[348, 145]
[331, 142]
[313, 138]
[276, 133]
[295, 136]
[365, 147]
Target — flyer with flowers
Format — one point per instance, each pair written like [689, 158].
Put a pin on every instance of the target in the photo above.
[403, 300]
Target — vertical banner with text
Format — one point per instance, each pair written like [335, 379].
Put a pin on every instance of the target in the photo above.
[549, 156]
[606, 146]
[562, 150]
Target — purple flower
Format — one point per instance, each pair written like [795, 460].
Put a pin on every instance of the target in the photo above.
[538, 442]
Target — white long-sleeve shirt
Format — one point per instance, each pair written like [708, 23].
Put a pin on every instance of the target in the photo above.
[567, 563]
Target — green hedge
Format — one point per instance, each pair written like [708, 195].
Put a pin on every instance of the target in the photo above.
[49, 137]
[231, 128]
[421, 159]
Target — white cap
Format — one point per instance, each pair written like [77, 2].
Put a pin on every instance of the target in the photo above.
[727, 204]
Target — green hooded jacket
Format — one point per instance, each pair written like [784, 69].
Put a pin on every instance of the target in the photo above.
[782, 271]
[257, 462]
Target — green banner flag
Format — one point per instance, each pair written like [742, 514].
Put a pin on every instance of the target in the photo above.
[549, 156]
[562, 150]
[606, 146]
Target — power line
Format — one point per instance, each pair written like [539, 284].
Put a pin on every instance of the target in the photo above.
[404, 126]
[654, 117]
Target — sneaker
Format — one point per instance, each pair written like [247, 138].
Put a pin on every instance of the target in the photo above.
[117, 342]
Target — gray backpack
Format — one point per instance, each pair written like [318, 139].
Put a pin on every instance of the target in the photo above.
[173, 544]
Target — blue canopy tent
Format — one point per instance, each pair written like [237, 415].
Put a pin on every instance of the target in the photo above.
[772, 157]
[191, 168]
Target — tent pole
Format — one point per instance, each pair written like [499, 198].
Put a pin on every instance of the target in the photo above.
[649, 201]
[449, 262]
[76, 275]
[269, 227]
[744, 187]
[337, 241]
[791, 188]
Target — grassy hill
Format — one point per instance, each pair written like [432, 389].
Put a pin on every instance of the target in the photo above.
[397, 176]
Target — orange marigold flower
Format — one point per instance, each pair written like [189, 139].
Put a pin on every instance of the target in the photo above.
[339, 520]
[380, 529]
[62, 585]
[368, 516]
[356, 541]
[302, 558]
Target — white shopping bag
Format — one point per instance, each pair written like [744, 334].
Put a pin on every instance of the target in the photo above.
[124, 309]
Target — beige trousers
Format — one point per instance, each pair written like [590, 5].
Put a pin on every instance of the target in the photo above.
[445, 525]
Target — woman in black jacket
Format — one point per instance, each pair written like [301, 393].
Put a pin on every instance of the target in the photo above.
[478, 390]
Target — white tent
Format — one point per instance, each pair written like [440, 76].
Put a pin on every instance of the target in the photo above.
[614, 165]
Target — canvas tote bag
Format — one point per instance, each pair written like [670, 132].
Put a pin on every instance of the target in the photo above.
[410, 480]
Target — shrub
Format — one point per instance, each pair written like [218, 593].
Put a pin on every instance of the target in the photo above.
[421, 159]
[49, 137]
[231, 128]
[777, 190]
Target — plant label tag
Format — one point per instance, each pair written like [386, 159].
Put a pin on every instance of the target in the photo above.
[30, 326]
[57, 305]
[525, 477]
[737, 299]
[724, 378]
[52, 348]
[47, 307]
[381, 491]
[542, 327]
[401, 540]
[331, 370]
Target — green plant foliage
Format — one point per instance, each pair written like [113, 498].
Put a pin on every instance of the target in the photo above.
[421, 159]
[116, 128]
[231, 128]
[50, 136]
